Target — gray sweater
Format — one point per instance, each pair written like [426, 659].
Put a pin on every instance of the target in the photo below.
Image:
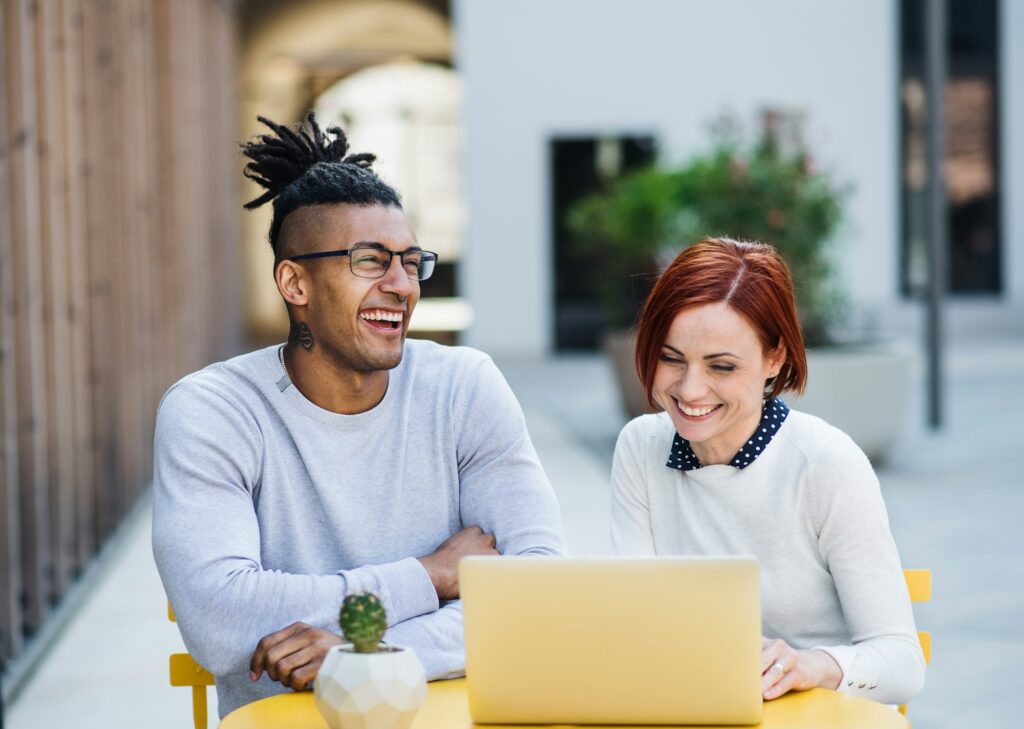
[269, 509]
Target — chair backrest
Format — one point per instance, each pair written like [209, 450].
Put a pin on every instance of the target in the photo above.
[185, 671]
[919, 584]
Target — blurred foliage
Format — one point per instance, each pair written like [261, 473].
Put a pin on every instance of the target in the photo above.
[768, 191]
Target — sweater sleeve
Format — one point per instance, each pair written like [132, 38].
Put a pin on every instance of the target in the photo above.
[436, 639]
[502, 487]
[884, 662]
[206, 540]
[631, 515]
[504, 490]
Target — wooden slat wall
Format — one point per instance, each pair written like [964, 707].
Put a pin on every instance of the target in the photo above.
[49, 53]
[119, 264]
[10, 552]
[30, 402]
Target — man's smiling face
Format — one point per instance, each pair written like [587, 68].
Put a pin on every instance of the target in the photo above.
[360, 323]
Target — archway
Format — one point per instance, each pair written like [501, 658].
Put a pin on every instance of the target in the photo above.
[291, 53]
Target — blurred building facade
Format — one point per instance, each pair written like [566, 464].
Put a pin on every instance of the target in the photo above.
[119, 270]
[654, 73]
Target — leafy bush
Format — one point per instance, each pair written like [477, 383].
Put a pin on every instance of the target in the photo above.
[768, 191]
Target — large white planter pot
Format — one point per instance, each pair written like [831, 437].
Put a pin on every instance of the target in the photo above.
[620, 346]
[370, 690]
[861, 389]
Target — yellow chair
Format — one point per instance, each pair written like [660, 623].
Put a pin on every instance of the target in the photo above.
[186, 672]
[919, 584]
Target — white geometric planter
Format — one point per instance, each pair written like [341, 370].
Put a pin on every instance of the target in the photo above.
[370, 690]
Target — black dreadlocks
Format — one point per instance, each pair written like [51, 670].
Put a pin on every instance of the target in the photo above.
[304, 167]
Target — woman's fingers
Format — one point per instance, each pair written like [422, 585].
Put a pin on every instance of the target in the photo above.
[786, 683]
[785, 669]
[777, 659]
[771, 651]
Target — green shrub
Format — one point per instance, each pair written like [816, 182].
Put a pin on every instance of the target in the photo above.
[768, 191]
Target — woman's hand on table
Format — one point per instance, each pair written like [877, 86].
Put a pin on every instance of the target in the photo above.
[292, 655]
[785, 669]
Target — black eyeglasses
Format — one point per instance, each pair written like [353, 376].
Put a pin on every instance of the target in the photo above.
[372, 260]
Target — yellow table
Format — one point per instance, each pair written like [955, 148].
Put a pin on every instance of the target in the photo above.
[446, 707]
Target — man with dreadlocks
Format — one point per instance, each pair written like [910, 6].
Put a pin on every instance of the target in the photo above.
[347, 460]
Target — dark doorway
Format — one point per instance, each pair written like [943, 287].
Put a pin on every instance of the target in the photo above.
[579, 167]
[972, 148]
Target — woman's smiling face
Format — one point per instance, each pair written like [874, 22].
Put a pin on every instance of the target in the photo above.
[711, 377]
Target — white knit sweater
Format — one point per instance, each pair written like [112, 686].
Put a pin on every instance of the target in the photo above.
[810, 509]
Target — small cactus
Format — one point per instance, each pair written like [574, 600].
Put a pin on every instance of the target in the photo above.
[363, 621]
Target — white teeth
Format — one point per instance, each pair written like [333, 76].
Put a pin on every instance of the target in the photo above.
[696, 413]
[379, 315]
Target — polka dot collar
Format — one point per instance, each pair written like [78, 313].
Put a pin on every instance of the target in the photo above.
[774, 414]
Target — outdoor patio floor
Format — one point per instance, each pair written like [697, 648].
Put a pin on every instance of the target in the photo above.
[955, 501]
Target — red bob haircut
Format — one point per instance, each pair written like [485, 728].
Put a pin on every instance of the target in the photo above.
[752, 278]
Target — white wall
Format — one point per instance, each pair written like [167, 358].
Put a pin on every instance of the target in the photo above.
[535, 69]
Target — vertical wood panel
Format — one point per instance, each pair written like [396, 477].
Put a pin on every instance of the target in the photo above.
[189, 136]
[227, 254]
[72, 22]
[118, 269]
[153, 362]
[28, 321]
[97, 59]
[10, 552]
[122, 254]
[133, 292]
[139, 33]
[171, 222]
[50, 48]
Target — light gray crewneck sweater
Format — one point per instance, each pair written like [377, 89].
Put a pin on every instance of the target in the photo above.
[269, 510]
[810, 509]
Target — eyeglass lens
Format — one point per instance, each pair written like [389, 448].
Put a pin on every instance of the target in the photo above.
[372, 262]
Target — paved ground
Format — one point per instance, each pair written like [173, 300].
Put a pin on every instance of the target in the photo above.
[955, 500]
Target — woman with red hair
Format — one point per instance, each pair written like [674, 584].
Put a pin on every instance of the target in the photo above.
[728, 468]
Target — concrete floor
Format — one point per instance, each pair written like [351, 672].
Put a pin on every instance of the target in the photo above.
[954, 499]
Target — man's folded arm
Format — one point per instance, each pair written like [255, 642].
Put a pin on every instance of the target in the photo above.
[206, 542]
[436, 639]
[504, 490]
[502, 485]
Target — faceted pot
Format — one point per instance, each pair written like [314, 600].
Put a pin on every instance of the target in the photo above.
[382, 690]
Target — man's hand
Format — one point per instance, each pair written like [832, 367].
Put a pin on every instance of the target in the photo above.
[292, 655]
[784, 669]
[443, 564]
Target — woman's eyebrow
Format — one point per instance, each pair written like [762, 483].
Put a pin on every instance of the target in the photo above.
[720, 354]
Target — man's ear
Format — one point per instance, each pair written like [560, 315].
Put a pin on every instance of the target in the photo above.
[292, 282]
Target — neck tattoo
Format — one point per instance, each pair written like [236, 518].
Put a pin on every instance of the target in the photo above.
[301, 335]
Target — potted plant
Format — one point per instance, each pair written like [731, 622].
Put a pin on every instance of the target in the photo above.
[363, 683]
[771, 191]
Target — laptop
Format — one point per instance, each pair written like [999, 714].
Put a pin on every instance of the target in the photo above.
[612, 640]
